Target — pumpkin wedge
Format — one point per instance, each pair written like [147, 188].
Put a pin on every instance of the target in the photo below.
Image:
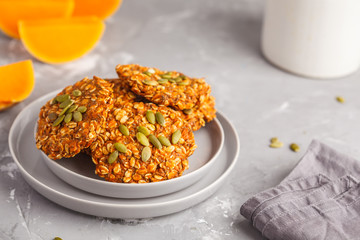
[100, 8]
[16, 82]
[11, 11]
[61, 40]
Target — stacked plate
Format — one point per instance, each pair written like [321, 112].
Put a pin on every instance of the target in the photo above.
[73, 184]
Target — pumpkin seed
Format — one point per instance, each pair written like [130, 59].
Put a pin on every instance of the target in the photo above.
[76, 93]
[150, 116]
[172, 80]
[58, 120]
[124, 130]
[120, 147]
[188, 111]
[178, 79]
[183, 77]
[166, 76]
[340, 99]
[72, 108]
[77, 116]
[176, 136]
[66, 103]
[162, 81]
[52, 116]
[154, 141]
[146, 154]
[183, 83]
[62, 98]
[66, 108]
[150, 82]
[53, 101]
[142, 139]
[82, 109]
[68, 117]
[164, 141]
[147, 73]
[143, 130]
[276, 144]
[160, 118]
[294, 147]
[113, 156]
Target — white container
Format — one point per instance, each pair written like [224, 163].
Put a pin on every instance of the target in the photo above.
[313, 38]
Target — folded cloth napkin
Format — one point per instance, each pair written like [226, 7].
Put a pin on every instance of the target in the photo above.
[319, 199]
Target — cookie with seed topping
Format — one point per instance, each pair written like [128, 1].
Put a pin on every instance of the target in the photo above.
[142, 142]
[164, 88]
[172, 89]
[71, 121]
[199, 115]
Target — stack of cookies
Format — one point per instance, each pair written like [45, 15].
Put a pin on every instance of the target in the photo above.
[137, 128]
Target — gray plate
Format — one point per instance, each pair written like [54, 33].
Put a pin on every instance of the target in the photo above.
[79, 171]
[42, 179]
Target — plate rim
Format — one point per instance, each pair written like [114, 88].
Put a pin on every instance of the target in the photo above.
[128, 205]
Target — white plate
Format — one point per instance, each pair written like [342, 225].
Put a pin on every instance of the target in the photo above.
[80, 170]
[40, 177]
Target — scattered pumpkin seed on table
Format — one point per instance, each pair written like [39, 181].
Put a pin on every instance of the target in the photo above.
[275, 143]
[294, 147]
[340, 99]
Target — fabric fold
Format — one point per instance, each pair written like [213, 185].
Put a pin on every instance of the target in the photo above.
[319, 199]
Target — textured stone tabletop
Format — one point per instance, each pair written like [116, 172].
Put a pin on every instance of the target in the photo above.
[218, 40]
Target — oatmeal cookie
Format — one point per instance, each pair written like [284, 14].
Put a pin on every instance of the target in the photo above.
[71, 121]
[142, 142]
[189, 95]
[165, 88]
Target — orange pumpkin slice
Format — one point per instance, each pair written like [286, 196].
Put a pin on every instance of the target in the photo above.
[14, 10]
[100, 8]
[61, 40]
[16, 82]
[6, 105]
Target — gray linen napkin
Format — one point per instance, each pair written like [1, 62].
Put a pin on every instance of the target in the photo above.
[319, 199]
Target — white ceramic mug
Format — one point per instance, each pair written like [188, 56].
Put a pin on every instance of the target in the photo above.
[313, 38]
